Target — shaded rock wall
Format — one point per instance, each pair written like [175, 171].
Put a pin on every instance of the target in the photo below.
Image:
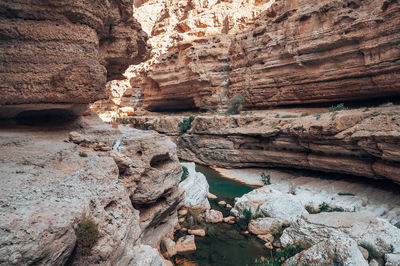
[298, 52]
[357, 142]
[65, 51]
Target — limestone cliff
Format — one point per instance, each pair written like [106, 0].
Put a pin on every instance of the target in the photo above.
[171, 25]
[358, 142]
[65, 51]
[298, 52]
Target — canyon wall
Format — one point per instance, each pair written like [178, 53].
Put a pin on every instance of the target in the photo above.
[60, 165]
[172, 26]
[65, 51]
[361, 142]
[297, 52]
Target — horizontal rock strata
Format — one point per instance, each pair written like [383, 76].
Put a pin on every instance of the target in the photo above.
[65, 51]
[298, 52]
[362, 142]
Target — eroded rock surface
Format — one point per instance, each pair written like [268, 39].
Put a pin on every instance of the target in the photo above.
[65, 51]
[359, 226]
[362, 142]
[50, 184]
[335, 250]
[269, 202]
[297, 52]
[195, 188]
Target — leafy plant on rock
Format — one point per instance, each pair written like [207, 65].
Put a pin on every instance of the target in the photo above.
[87, 235]
[185, 125]
[266, 178]
[235, 105]
[185, 173]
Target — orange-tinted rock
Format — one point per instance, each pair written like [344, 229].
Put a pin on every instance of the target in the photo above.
[298, 52]
[319, 51]
[65, 51]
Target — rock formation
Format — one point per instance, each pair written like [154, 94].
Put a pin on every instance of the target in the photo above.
[195, 188]
[56, 59]
[359, 226]
[125, 181]
[168, 24]
[298, 52]
[362, 142]
[64, 52]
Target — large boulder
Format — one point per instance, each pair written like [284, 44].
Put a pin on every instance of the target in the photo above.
[359, 226]
[269, 202]
[146, 255]
[262, 226]
[185, 244]
[196, 188]
[333, 251]
[213, 216]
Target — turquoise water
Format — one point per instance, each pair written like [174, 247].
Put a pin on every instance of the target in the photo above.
[224, 244]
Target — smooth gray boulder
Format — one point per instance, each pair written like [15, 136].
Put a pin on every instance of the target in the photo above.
[336, 250]
[270, 202]
[195, 188]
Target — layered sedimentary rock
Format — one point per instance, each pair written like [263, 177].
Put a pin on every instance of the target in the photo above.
[308, 51]
[65, 51]
[298, 52]
[362, 142]
[189, 77]
[126, 181]
[171, 25]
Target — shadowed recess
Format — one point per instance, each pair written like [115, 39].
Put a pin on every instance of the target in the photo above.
[45, 117]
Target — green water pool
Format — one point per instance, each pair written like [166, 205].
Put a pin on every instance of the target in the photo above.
[224, 244]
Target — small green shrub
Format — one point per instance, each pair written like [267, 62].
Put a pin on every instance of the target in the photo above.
[185, 125]
[289, 116]
[123, 121]
[141, 127]
[87, 235]
[284, 254]
[266, 178]
[277, 116]
[83, 154]
[304, 114]
[248, 214]
[318, 115]
[246, 113]
[397, 225]
[20, 172]
[323, 207]
[337, 108]
[208, 108]
[185, 173]
[235, 105]
[366, 109]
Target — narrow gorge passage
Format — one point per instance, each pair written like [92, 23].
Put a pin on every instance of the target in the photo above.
[200, 132]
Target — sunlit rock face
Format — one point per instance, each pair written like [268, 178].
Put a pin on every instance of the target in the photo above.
[168, 24]
[298, 52]
[65, 51]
